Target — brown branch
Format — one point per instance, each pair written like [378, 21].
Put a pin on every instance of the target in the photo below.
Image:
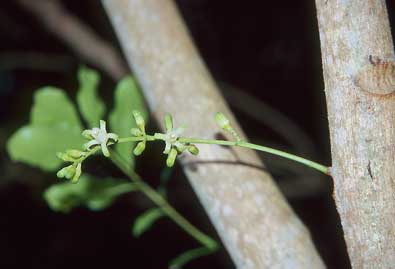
[80, 37]
[362, 128]
[256, 224]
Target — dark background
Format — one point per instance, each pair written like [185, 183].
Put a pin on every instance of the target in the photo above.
[268, 49]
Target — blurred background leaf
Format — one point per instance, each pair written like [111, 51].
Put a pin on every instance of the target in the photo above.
[90, 192]
[146, 220]
[91, 106]
[127, 97]
[54, 127]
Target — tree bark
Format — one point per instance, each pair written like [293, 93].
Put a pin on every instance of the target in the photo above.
[254, 221]
[361, 126]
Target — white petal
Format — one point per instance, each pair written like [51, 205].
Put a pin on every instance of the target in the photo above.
[103, 126]
[90, 144]
[104, 149]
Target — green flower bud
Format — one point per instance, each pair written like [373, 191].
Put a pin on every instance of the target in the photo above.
[181, 147]
[74, 153]
[136, 132]
[222, 121]
[67, 172]
[77, 173]
[61, 173]
[168, 122]
[139, 120]
[171, 158]
[70, 171]
[139, 148]
[193, 149]
[65, 157]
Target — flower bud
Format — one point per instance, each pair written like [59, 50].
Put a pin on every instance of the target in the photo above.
[139, 120]
[222, 121]
[77, 174]
[171, 158]
[193, 149]
[136, 132]
[168, 122]
[74, 153]
[181, 147]
[70, 171]
[139, 148]
[67, 172]
[65, 157]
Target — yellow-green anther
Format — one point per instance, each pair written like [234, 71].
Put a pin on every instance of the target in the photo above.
[75, 153]
[65, 157]
[136, 132]
[168, 122]
[171, 158]
[193, 149]
[139, 120]
[139, 148]
[77, 173]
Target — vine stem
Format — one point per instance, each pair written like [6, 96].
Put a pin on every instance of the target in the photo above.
[156, 198]
[322, 168]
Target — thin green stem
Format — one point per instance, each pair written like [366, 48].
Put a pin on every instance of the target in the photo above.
[243, 144]
[122, 188]
[155, 197]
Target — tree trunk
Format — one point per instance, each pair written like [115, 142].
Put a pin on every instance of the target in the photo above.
[361, 121]
[254, 221]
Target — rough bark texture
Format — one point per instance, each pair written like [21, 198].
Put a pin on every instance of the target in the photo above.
[254, 221]
[361, 128]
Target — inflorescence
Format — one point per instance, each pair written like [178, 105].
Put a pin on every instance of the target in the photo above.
[99, 139]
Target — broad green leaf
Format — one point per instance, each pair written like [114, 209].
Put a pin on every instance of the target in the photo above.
[54, 127]
[127, 98]
[53, 108]
[37, 146]
[91, 192]
[146, 220]
[91, 106]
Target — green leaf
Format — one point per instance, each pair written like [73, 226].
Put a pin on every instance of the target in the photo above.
[54, 127]
[91, 106]
[127, 98]
[53, 108]
[146, 220]
[188, 256]
[91, 192]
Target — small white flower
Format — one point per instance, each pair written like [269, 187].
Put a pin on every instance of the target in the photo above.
[171, 139]
[171, 136]
[99, 136]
